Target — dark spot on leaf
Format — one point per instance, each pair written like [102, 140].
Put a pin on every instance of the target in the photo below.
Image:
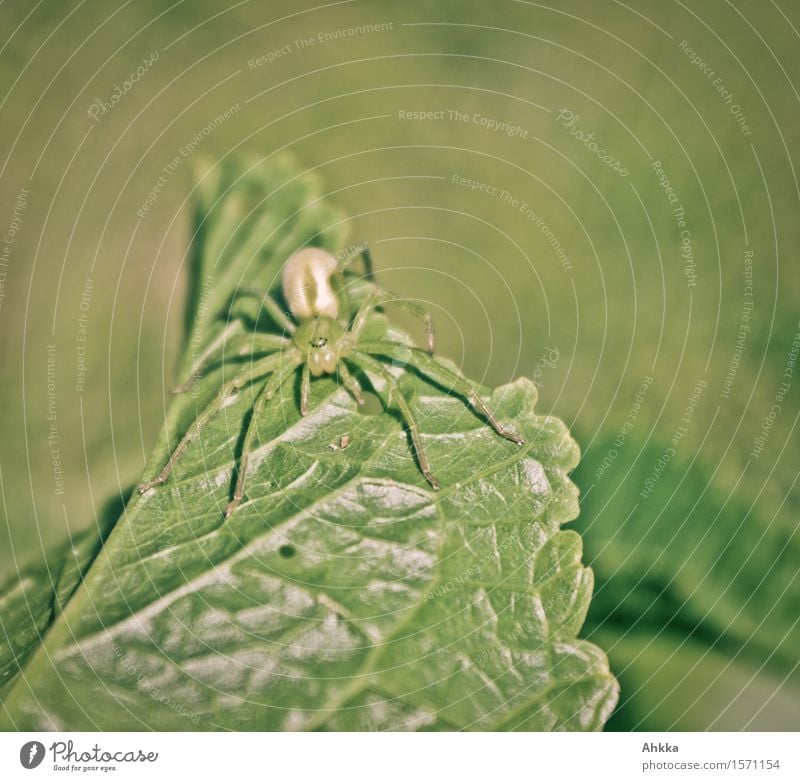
[286, 551]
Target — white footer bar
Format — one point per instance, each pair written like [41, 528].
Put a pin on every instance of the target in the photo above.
[401, 756]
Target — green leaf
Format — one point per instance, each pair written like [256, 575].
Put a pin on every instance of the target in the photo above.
[35, 596]
[343, 593]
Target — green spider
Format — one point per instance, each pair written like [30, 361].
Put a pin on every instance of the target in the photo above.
[323, 341]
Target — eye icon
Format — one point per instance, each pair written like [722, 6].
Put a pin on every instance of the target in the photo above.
[31, 754]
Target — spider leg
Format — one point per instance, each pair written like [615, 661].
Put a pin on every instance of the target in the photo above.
[348, 260]
[369, 269]
[271, 387]
[350, 382]
[271, 306]
[420, 312]
[260, 369]
[236, 346]
[305, 390]
[432, 369]
[360, 318]
[341, 283]
[381, 297]
[392, 392]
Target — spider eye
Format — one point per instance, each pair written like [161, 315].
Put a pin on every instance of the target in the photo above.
[319, 341]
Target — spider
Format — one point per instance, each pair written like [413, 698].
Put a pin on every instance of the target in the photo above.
[322, 340]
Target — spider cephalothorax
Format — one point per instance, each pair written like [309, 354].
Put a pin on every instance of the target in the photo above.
[321, 341]
[326, 340]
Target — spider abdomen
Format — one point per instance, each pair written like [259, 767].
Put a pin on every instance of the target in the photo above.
[307, 285]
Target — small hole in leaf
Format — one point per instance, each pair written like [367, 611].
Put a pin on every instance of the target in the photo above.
[286, 551]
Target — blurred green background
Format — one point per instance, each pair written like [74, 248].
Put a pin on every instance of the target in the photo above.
[666, 340]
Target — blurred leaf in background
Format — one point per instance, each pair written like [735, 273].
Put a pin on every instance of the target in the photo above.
[700, 614]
